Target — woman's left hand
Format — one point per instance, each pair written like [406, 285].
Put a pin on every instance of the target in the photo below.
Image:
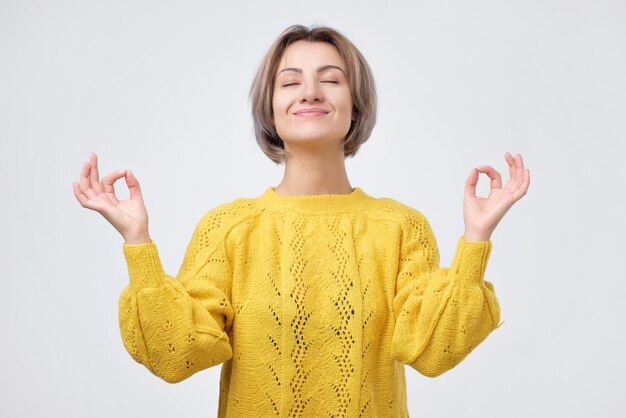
[481, 215]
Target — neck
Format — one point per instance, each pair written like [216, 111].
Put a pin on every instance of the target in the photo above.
[322, 171]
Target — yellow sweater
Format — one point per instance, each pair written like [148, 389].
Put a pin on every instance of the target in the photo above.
[313, 304]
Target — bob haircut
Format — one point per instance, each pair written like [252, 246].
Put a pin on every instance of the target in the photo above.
[360, 80]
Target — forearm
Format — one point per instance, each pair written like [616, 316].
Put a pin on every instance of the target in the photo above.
[158, 330]
[163, 327]
[469, 316]
[439, 324]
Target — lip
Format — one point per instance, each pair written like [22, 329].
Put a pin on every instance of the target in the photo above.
[314, 111]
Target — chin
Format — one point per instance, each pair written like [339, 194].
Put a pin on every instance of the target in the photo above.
[315, 139]
[314, 135]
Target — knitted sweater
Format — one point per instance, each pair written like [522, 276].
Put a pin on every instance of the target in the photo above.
[313, 304]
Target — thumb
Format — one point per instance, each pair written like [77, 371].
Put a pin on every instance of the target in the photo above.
[471, 182]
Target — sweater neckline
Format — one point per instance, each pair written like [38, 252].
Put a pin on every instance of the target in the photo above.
[318, 203]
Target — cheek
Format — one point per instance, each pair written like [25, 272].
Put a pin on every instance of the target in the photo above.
[278, 105]
[347, 109]
[345, 98]
[279, 117]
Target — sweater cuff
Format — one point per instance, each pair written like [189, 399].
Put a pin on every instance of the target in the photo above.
[470, 259]
[144, 266]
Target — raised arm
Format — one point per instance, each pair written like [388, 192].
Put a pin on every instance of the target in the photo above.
[442, 314]
[481, 215]
[175, 327]
[178, 326]
[129, 217]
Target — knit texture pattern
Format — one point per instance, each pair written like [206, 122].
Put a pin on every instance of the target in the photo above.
[313, 304]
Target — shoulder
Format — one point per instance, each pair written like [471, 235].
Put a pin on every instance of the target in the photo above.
[412, 224]
[222, 219]
[398, 212]
[416, 234]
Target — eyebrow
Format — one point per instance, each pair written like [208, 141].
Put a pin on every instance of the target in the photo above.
[319, 70]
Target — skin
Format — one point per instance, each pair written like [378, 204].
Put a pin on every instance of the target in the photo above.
[314, 162]
[129, 216]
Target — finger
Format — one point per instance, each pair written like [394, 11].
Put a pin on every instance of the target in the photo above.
[511, 163]
[515, 176]
[493, 174]
[523, 188]
[521, 161]
[518, 161]
[94, 176]
[520, 175]
[85, 182]
[133, 186]
[470, 183]
[107, 184]
[84, 201]
[80, 196]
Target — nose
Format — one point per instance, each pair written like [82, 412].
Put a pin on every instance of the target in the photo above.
[311, 92]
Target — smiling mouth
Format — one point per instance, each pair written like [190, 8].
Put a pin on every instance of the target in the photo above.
[311, 113]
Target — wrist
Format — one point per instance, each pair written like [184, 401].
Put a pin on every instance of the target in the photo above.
[138, 239]
[471, 236]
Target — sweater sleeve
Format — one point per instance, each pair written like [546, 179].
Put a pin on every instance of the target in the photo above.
[178, 326]
[441, 314]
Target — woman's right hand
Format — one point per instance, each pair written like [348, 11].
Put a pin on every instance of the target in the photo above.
[129, 216]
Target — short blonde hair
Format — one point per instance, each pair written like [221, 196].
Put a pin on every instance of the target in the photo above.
[360, 80]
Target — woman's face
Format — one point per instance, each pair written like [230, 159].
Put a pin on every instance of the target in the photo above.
[311, 101]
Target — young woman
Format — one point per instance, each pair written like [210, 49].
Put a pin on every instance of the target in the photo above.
[313, 295]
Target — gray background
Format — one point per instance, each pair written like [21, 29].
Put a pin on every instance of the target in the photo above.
[161, 88]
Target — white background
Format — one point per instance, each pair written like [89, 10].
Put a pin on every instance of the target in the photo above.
[162, 88]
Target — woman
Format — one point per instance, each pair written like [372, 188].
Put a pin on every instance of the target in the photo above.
[314, 294]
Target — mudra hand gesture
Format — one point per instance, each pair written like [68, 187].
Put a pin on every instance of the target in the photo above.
[481, 215]
[129, 216]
